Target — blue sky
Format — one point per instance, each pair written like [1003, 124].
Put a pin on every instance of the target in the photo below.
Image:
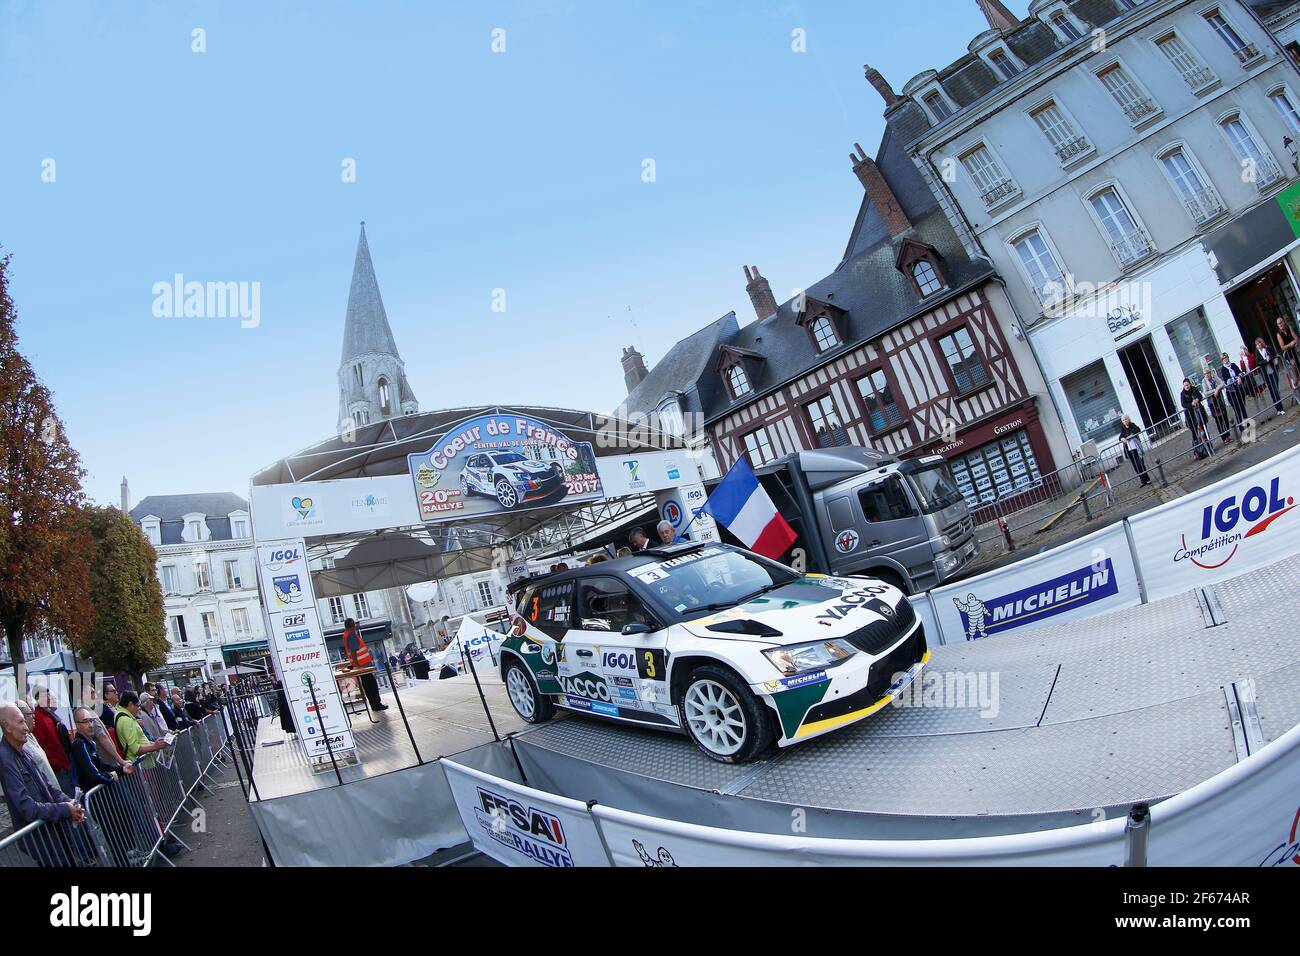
[474, 171]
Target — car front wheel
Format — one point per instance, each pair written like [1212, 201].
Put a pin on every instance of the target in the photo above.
[528, 702]
[506, 493]
[723, 716]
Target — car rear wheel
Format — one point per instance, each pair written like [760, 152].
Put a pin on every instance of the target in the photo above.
[528, 702]
[506, 493]
[464, 485]
[723, 716]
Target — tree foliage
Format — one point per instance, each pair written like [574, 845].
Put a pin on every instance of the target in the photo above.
[127, 633]
[44, 548]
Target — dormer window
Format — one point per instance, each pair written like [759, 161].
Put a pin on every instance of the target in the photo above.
[1006, 67]
[1065, 27]
[823, 333]
[937, 106]
[152, 529]
[920, 263]
[737, 381]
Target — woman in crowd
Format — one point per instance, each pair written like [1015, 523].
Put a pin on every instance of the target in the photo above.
[1286, 342]
[1194, 415]
[1266, 361]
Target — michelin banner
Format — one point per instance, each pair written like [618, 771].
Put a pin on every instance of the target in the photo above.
[1234, 526]
[1084, 578]
[519, 826]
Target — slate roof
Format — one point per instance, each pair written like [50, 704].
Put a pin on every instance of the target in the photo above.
[687, 369]
[216, 506]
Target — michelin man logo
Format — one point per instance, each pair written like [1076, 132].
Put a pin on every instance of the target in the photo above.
[974, 611]
[663, 858]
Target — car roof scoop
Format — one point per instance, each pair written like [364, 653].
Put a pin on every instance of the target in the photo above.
[745, 625]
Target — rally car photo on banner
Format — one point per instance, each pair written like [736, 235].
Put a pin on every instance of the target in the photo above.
[737, 651]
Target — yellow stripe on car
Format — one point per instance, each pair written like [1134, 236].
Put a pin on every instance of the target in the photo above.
[816, 727]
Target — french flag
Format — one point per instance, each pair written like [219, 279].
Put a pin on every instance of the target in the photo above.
[740, 505]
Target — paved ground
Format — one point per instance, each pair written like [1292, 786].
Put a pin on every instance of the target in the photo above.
[1183, 471]
[226, 835]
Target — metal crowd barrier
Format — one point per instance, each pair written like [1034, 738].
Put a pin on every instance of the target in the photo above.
[127, 821]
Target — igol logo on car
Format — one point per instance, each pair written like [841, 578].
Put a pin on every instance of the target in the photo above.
[619, 660]
[1259, 505]
[535, 833]
[981, 617]
[847, 541]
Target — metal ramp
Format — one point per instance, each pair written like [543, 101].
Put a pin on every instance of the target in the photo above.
[1092, 715]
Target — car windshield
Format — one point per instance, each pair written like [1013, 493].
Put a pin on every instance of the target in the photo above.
[935, 488]
[711, 578]
[508, 458]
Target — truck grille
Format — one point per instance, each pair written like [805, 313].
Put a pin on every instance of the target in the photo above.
[960, 529]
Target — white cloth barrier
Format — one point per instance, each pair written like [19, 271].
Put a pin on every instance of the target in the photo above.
[1233, 526]
[1244, 816]
[925, 613]
[1083, 578]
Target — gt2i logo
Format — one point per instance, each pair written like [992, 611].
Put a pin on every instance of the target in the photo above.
[528, 830]
[850, 602]
[586, 685]
[1261, 506]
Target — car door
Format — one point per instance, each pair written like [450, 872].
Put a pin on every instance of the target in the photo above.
[626, 672]
[547, 610]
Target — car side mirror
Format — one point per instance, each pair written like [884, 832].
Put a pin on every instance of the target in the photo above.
[639, 628]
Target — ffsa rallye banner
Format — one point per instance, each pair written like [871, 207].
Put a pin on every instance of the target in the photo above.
[499, 463]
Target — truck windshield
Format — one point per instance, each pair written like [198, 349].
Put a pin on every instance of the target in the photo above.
[710, 578]
[935, 488]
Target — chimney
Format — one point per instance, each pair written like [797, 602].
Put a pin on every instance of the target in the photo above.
[882, 86]
[634, 370]
[760, 293]
[998, 16]
[879, 192]
[126, 496]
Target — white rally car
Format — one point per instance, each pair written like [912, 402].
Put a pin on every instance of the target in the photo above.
[737, 650]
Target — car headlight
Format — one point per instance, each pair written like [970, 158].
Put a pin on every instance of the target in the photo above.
[798, 658]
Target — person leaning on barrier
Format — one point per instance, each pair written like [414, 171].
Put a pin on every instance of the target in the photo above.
[88, 771]
[183, 719]
[54, 738]
[27, 793]
[164, 708]
[1194, 412]
[148, 717]
[1267, 360]
[130, 735]
[1212, 389]
[105, 749]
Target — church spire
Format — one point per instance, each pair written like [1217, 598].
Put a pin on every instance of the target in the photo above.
[372, 377]
[998, 16]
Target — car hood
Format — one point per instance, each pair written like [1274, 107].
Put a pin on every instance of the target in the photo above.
[527, 467]
[815, 606]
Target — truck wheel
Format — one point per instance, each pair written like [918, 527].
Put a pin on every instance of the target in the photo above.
[529, 703]
[506, 493]
[723, 716]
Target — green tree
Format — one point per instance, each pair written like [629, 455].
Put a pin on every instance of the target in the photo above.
[127, 632]
[44, 552]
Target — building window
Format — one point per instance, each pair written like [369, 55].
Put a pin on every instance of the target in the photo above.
[1202, 202]
[1243, 51]
[1257, 166]
[210, 626]
[737, 380]
[239, 528]
[1195, 74]
[193, 530]
[201, 580]
[1137, 106]
[670, 419]
[968, 371]
[485, 593]
[992, 183]
[362, 604]
[1127, 239]
[1065, 27]
[179, 637]
[169, 582]
[938, 106]
[1045, 274]
[153, 533]
[1191, 338]
[356, 369]
[823, 332]
[1093, 401]
[926, 278]
[878, 397]
[239, 618]
[233, 580]
[1004, 64]
[337, 614]
[1285, 105]
[1061, 135]
[825, 422]
[759, 448]
[385, 406]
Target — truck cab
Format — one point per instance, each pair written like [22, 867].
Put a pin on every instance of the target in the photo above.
[902, 521]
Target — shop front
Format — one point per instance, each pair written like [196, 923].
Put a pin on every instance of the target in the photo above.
[999, 456]
[184, 666]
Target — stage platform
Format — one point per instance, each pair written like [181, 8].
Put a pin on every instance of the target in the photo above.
[446, 717]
